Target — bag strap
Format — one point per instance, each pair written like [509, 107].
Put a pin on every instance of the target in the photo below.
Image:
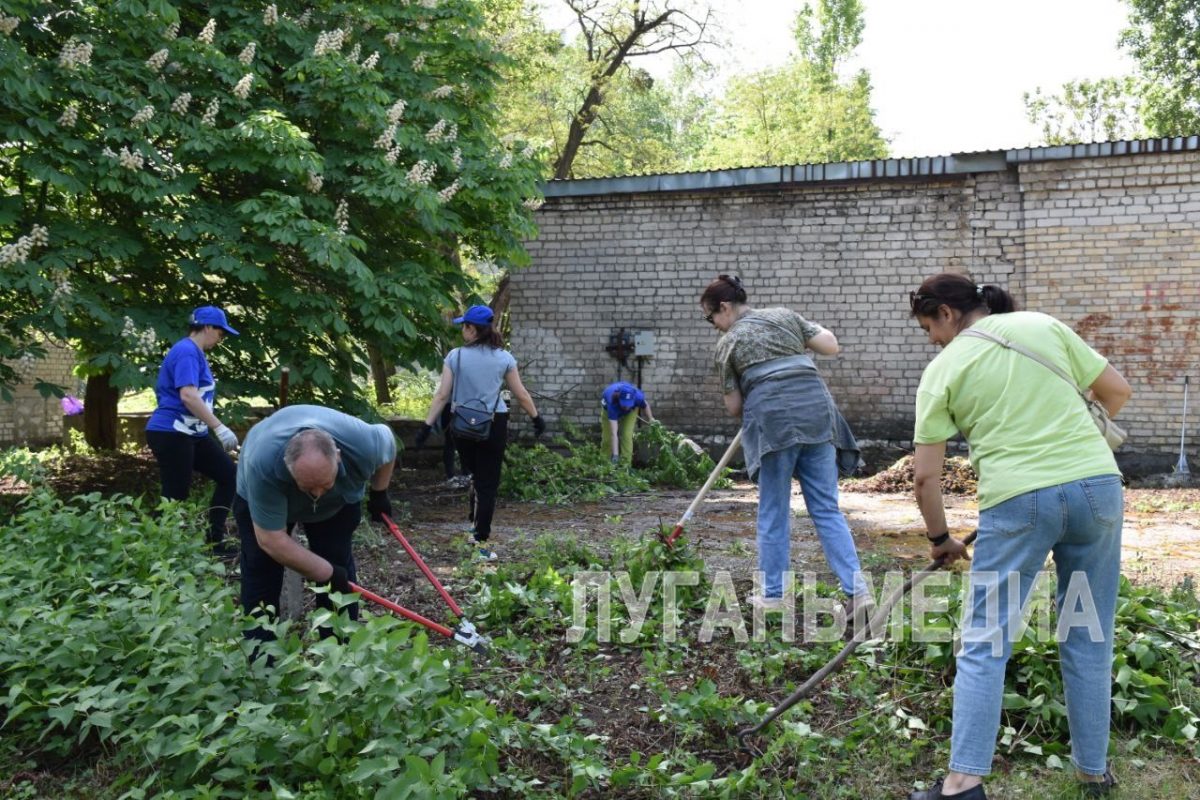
[454, 386]
[1011, 345]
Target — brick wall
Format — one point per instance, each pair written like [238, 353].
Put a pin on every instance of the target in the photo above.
[1107, 244]
[30, 419]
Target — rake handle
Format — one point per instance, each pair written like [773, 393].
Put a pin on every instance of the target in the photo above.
[712, 478]
[860, 636]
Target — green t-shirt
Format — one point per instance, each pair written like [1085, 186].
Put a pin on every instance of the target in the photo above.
[1026, 427]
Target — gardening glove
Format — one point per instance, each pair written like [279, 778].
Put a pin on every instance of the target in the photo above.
[228, 438]
[378, 504]
[539, 425]
[422, 435]
[339, 581]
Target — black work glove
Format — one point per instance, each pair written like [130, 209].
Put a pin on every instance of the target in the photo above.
[614, 460]
[422, 435]
[539, 425]
[378, 504]
[339, 581]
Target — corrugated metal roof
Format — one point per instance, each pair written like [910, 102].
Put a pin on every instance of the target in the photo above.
[955, 164]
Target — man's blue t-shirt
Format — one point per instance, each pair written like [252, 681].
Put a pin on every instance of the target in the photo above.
[185, 365]
[615, 392]
[270, 490]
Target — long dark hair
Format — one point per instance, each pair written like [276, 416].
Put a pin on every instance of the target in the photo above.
[960, 293]
[486, 335]
[725, 289]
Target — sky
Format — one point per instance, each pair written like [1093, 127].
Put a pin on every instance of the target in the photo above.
[948, 76]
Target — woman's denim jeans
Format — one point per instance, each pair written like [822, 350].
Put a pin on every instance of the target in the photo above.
[1080, 523]
[815, 466]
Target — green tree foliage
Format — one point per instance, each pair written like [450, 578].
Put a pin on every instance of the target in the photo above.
[1164, 38]
[804, 111]
[1087, 111]
[315, 168]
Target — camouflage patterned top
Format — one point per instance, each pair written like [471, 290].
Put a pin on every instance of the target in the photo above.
[750, 343]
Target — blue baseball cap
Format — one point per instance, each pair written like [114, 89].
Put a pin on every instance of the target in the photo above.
[626, 400]
[476, 315]
[211, 315]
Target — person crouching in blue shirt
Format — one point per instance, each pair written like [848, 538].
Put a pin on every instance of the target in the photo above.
[620, 403]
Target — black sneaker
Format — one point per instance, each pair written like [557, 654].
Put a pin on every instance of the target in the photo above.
[1099, 788]
[224, 549]
[935, 793]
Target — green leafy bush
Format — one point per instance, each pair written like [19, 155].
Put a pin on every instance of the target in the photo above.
[120, 632]
[578, 471]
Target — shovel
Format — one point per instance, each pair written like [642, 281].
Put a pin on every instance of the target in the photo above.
[836, 662]
[1181, 467]
[716, 473]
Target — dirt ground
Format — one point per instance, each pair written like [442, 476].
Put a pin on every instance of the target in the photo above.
[1161, 534]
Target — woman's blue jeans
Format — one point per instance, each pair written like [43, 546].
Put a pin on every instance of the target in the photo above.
[815, 466]
[1080, 523]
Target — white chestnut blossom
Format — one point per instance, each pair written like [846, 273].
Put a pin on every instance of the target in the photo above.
[385, 140]
[131, 159]
[247, 54]
[506, 162]
[9, 24]
[70, 115]
[181, 103]
[62, 288]
[436, 133]
[418, 63]
[270, 15]
[396, 112]
[315, 182]
[142, 341]
[445, 194]
[392, 154]
[208, 33]
[342, 216]
[392, 39]
[371, 61]
[456, 158]
[355, 53]
[143, 116]
[442, 92]
[528, 151]
[304, 18]
[533, 203]
[18, 252]
[158, 60]
[429, 3]
[75, 54]
[421, 173]
[242, 89]
[329, 42]
[172, 31]
[210, 114]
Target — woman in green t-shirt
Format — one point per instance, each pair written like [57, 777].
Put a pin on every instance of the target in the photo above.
[1048, 484]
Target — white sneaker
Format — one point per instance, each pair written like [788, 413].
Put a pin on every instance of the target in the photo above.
[766, 603]
[484, 554]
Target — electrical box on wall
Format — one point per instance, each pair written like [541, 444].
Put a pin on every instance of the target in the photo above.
[643, 344]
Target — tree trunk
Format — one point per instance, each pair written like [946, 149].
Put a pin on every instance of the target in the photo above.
[379, 374]
[100, 413]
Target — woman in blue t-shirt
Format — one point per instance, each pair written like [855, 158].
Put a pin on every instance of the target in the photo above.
[475, 373]
[177, 431]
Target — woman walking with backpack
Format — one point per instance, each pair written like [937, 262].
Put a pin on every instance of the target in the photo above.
[473, 377]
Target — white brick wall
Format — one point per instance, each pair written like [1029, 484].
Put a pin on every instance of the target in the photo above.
[1109, 245]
